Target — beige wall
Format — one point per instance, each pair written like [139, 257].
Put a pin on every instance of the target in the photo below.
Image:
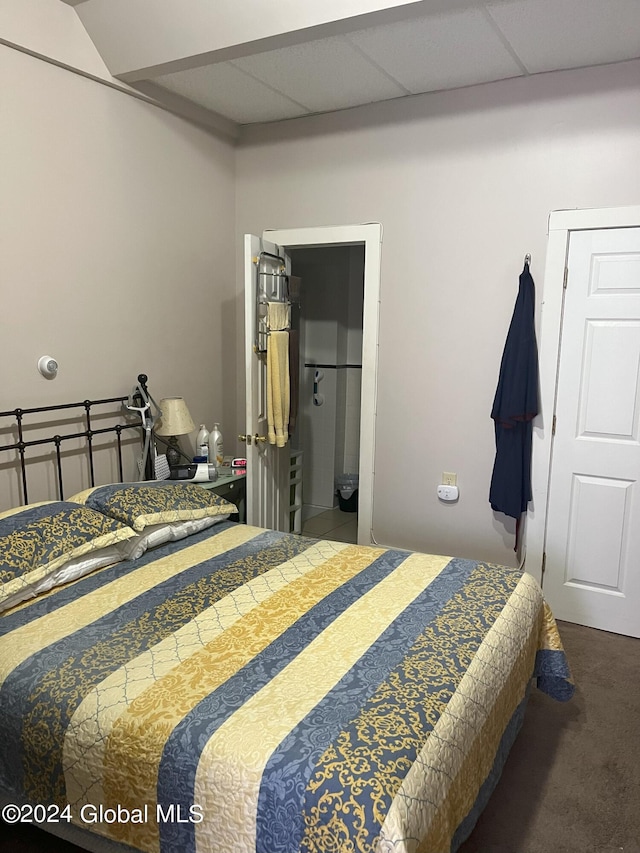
[117, 220]
[116, 236]
[463, 183]
[53, 29]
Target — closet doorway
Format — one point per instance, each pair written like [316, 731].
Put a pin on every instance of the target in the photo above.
[361, 248]
[329, 319]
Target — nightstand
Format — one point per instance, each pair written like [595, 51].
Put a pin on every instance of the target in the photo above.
[231, 487]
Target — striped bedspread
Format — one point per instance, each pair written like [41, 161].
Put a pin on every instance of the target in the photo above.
[251, 690]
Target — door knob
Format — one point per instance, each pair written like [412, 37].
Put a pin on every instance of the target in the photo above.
[258, 438]
[246, 438]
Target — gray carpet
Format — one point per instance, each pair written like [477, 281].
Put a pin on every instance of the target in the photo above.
[572, 781]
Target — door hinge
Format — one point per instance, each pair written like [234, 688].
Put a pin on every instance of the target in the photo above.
[553, 426]
[544, 563]
[565, 278]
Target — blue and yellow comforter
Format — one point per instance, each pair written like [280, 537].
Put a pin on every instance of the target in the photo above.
[250, 690]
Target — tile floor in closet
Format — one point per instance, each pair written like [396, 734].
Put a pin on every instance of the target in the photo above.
[333, 524]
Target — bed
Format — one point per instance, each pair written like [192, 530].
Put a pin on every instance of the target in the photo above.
[171, 680]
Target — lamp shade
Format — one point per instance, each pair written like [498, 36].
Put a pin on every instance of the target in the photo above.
[175, 419]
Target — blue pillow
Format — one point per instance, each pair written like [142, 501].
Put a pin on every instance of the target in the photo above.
[38, 540]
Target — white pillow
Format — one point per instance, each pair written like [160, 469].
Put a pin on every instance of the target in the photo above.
[158, 534]
[70, 571]
[75, 569]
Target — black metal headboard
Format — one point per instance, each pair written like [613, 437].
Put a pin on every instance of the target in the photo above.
[21, 445]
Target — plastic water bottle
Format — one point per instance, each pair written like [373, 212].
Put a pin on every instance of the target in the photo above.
[216, 449]
[202, 443]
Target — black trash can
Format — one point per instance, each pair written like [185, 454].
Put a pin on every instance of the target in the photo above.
[347, 489]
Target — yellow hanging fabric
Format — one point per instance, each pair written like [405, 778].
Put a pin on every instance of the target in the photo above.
[278, 390]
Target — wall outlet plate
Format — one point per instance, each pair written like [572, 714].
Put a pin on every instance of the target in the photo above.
[449, 479]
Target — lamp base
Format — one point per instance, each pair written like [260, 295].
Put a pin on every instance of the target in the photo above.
[173, 454]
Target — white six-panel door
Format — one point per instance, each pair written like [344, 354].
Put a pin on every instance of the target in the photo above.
[592, 546]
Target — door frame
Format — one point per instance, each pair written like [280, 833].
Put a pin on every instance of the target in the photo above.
[369, 235]
[561, 224]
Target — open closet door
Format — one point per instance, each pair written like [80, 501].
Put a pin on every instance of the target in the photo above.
[266, 269]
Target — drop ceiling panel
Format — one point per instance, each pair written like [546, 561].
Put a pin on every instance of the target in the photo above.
[552, 34]
[457, 43]
[440, 52]
[230, 92]
[327, 74]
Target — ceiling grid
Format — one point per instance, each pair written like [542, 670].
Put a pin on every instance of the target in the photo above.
[410, 47]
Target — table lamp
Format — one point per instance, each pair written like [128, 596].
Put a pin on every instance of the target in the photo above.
[175, 421]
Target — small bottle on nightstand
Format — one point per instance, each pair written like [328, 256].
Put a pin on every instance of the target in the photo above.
[216, 450]
[202, 443]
